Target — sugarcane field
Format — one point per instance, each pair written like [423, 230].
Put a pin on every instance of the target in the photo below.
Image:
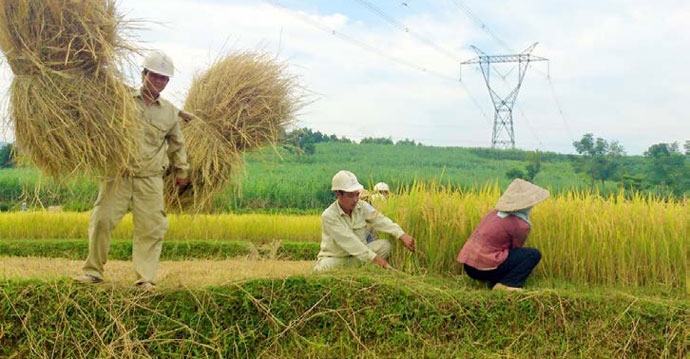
[317, 179]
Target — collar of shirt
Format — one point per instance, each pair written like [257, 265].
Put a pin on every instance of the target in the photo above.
[137, 94]
[522, 214]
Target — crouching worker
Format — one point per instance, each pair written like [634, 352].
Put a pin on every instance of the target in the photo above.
[344, 229]
[494, 252]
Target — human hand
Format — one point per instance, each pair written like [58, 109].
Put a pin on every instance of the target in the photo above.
[186, 116]
[181, 183]
[382, 263]
[407, 241]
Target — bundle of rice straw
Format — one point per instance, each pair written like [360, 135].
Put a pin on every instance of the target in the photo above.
[69, 106]
[242, 102]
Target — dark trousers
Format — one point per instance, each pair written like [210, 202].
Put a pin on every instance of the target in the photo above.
[513, 272]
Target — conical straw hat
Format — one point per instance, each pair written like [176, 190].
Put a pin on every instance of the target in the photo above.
[521, 194]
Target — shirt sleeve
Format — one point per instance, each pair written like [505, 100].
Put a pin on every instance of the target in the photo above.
[176, 149]
[381, 223]
[343, 237]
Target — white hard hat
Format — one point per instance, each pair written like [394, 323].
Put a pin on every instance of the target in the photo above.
[381, 186]
[345, 181]
[160, 63]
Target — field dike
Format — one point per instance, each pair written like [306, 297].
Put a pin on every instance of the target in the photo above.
[121, 249]
[365, 314]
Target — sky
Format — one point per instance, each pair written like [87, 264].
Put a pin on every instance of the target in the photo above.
[368, 68]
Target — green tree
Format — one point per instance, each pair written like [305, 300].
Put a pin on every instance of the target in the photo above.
[533, 165]
[667, 168]
[514, 173]
[301, 141]
[407, 142]
[7, 156]
[531, 169]
[599, 159]
[377, 140]
[687, 147]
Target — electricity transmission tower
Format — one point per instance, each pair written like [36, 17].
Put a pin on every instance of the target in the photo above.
[503, 136]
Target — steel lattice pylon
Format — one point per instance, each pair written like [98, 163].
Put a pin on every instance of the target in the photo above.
[503, 135]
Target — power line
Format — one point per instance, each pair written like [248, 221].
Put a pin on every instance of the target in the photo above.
[406, 29]
[476, 104]
[377, 51]
[561, 114]
[466, 9]
[361, 44]
[560, 109]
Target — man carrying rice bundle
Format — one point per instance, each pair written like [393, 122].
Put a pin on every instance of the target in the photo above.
[344, 229]
[162, 147]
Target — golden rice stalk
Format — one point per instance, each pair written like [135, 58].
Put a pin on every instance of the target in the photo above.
[248, 97]
[211, 159]
[69, 106]
[56, 35]
[243, 101]
[71, 125]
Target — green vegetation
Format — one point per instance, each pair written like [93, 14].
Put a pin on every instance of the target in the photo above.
[7, 155]
[360, 315]
[121, 249]
[291, 180]
[600, 159]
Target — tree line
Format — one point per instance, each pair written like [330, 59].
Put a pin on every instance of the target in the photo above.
[665, 170]
[303, 140]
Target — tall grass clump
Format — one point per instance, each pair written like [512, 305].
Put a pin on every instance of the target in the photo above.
[583, 237]
[241, 102]
[69, 106]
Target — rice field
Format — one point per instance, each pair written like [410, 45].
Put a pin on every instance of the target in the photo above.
[611, 284]
[584, 239]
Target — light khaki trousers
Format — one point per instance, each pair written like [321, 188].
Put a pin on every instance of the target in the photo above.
[145, 195]
[382, 248]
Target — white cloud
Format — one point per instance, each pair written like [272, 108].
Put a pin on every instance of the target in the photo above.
[616, 67]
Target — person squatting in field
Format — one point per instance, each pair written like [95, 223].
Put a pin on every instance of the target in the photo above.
[494, 253]
[344, 229]
[162, 148]
[377, 197]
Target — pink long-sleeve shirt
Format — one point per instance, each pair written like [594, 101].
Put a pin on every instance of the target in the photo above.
[490, 242]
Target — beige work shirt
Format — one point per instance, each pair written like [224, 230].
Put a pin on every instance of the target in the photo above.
[345, 236]
[162, 142]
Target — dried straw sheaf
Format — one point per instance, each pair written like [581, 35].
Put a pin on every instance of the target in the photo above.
[70, 107]
[242, 102]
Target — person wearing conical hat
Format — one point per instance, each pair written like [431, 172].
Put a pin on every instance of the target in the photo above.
[495, 251]
[344, 229]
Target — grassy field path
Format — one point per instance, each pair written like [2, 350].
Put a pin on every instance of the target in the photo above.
[171, 274]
